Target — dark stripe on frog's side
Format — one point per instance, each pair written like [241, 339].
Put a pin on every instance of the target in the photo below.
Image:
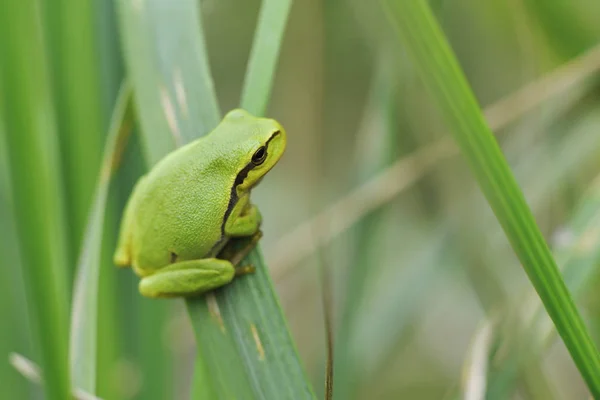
[239, 179]
[233, 197]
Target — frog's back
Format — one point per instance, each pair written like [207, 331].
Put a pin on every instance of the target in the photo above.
[178, 208]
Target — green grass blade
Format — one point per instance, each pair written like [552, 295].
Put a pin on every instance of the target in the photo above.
[445, 81]
[14, 305]
[260, 73]
[84, 316]
[166, 58]
[244, 323]
[36, 187]
[74, 64]
[475, 368]
[579, 257]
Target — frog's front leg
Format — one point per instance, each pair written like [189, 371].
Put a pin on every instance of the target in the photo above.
[244, 219]
[187, 278]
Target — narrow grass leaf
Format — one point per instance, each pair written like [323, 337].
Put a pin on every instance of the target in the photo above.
[260, 72]
[439, 70]
[114, 329]
[578, 253]
[77, 92]
[84, 316]
[14, 306]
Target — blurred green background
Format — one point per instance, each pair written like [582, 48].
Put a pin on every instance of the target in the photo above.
[427, 293]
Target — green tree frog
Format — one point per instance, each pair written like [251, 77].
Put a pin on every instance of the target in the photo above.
[181, 217]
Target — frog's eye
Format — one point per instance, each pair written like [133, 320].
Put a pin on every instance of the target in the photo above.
[259, 156]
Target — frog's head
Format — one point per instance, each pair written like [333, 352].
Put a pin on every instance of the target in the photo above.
[259, 143]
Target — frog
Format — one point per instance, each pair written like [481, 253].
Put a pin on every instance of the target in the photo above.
[183, 218]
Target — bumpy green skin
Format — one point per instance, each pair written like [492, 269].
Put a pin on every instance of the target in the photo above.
[184, 211]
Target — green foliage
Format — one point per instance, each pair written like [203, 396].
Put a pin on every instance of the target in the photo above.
[84, 315]
[74, 74]
[32, 149]
[424, 279]
[264, 56]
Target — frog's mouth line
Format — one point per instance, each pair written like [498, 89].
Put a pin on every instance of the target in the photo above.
[276, 133]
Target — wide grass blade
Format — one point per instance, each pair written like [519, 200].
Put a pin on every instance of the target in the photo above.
[439, 70]
[166, 59]
[84, 316]
[245, 349]
[34, 165]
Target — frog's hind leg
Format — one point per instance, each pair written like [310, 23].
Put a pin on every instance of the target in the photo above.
[188, 278]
